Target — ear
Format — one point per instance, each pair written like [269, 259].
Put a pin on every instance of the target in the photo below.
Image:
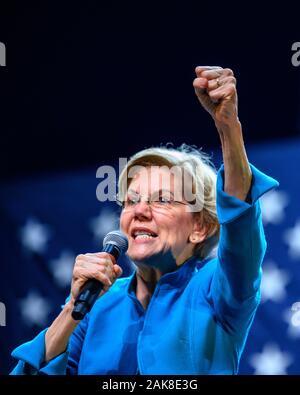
[198, 234]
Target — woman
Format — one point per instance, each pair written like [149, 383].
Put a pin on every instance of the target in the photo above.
[183, 311]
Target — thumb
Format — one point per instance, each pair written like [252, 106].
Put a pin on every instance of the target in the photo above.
[118, 270]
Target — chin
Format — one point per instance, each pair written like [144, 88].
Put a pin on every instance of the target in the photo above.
[139, 256]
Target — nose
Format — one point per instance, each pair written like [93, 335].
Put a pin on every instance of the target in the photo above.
[142, 210]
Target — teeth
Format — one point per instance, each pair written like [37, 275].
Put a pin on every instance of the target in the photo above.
[143, 236]
[142, 232]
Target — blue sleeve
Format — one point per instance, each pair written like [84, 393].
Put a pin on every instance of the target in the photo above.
[235, 285]
[31, 355]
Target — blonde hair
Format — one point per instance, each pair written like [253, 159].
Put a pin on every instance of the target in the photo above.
[203, 173]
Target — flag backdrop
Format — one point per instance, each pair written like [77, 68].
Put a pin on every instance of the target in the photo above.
[46, 221]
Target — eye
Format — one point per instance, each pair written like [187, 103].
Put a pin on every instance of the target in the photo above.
[165, 200]
[132, 200]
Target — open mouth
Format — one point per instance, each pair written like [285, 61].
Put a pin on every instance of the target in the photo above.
[143, 234]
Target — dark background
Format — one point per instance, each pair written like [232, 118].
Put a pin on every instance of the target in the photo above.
[88, 82]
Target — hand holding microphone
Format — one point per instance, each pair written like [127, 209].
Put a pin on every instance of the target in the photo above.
[94, 273]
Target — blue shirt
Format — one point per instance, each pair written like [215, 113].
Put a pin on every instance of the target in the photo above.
[198, 317]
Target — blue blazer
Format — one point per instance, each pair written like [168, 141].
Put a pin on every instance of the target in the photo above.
[197, 320]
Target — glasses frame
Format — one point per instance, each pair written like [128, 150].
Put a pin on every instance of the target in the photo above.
[121, 203]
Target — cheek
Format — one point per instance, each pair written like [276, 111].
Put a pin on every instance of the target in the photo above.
[179, 228]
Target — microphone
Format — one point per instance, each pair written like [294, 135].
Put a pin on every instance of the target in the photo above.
[115, 243]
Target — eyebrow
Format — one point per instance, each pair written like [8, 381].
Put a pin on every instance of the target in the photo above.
[159, 191]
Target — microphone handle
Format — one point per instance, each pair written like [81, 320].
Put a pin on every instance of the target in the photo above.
[91, 290]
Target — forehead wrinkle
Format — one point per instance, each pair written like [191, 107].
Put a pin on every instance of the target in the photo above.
[150, 178]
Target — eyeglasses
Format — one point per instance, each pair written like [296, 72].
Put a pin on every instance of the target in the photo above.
[160, 201]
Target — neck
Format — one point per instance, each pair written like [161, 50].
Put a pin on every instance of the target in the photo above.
[146, 280]
[147, 277]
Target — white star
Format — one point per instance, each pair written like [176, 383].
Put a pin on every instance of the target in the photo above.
[292, 238]
[271, 360]
[296, 314]
[273, 283]
[34, 309]
[107, 221]
[63, 268]
[273, 205]
[292, 317]
[34, 236]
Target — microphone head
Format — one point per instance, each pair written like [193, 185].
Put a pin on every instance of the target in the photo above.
[117, 238]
